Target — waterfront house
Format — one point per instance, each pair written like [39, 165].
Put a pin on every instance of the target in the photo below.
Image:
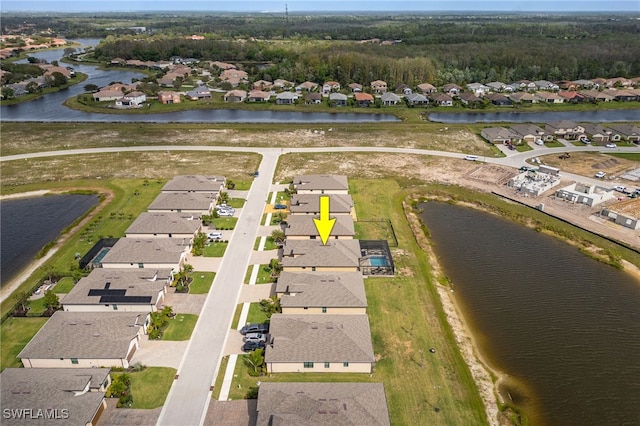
[53, 396]
[584, 193]
[149, 253]
[132, 100]
[286, 98]
[306, 403]
[571, 96]
[524, 98]
[321, 184]
[195, 183]
[338, 99]
[199, 93]
[235, 95]
[530, 133]
[322, 293]
[355, 87]
[86, 340]
[312, 255]
[320, 344]
[389, 99]
[363, 99]
[309, 204]
[594, 95]
[441, 99]
[498, 99]
[500, 135]
[105, 95]
[416, 99]
[565, 129]
[164, 224]
[378, 86]
[196, 204]
[302, 227]
[168, 98]
[258, 96]
[550, 98]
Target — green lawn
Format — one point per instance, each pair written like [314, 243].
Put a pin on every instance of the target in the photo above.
[220, 378]
[151, 386]
[225, 222]
[524, 147]
[627, 155]
[65, 285]
[214, 249]
[236, 317]
[36, 307]
[236, 203]
[269, 244]
[180, 327]
[243, 185]
[264, 275]
[201, 283]
[554, 144]
[256, 315]
[283, 196]
[15, 333]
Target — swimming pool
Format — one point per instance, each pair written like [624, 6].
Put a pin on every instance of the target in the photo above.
[101, 254]
[378, 261]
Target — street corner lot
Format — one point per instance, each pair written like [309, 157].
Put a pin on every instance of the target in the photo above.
[590, 163]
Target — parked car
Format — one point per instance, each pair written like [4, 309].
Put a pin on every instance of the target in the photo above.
[611, 145]
[252, 346]
[279, 206]
[255, 337]
[256, 174]
[585, 140]
[471, 157]
[226, 212]
[600, 175]
[254, 328]
[539, 142]
[619, 188]
[215, 235]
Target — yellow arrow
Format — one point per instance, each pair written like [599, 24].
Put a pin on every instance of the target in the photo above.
[324, 225]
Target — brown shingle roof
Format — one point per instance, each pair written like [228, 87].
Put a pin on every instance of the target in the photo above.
[195, 183]
[319, 182]
[317, 289]
[303, 225]
[147, 250]
[310, 203]
[310, 253]
[164, 223]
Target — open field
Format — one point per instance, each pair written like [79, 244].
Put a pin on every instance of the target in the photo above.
[589, 163]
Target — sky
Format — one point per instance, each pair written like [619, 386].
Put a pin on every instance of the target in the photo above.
[296, 6]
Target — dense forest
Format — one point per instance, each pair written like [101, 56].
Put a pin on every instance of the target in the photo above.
[420, 48]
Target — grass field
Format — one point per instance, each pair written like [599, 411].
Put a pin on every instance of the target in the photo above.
[201, 283]
[180, 327]
[151, 386]
[65, 285]
[215, 249]
[15, 333]
[225, 222]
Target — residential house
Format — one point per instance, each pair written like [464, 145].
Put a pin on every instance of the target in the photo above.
[330, 86]
[122, 290]
[235, 95]
[319, 344]
[168, 98]
[550, 98]
[617, 82]
[583, 193]
[312, 255]
[338, 99]
[222, 65]
[571, 96]
[622, 95]
[546, 85]
[621, 217]
[105, 95]
[167, 80]
[478, 89]
[86, 340]
[566, 85]
[441, 99]
[148, 253]
[263, 85]
[596, 133]
[195, 183]
[283, 84]
[452, 89]
[565, 129]
[309, 204]
[585, 84]
[197, 204]
[21, 89]
[165, 225]
[499, 87]
[363, 99]
[594, 95]
[389, 99]
[286, 98]
[199, 93]
[355, 87]
[530, 133]
[53, 396]
[500, 135]
[306, 403]
[321, 184]
[404, 89]
[321, 293]
[525, 85]
[378, 87]
[132, 100]
[524, 98]
[498, 99]
[302, 227]
[258, 96]
[307, 86]
[416, 99]
[311, 98]
[426, 88]
[234, 77]
[627, 132]
[117, 62]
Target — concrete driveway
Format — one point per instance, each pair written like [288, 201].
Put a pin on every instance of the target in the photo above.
[160, 353]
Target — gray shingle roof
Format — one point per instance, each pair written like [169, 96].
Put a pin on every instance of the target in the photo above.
[134, 282]
[147, 250]
[337, 253]
[310, 203]
[195, 183]
[183, 201]
[303, 225]
[317, 289]
[52, 388]
[527, 129]
[320, 338]
[335, 404]
[318, 182]
[104, 335]
[163, 223]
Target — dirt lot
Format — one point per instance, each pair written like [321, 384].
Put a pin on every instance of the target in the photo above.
[589, 163]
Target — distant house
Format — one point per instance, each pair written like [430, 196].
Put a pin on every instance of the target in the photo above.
[338, 99]
[596, 133]
[500, 135]
[122, 290]
[107, 95]
[195, 183]
[498, 86]
[132, 100]
[584, 84]
[53, 396]
[404, 89]
[307, 86]
[565, 129]
[378, 87]
[234, 76]
[302, 227]
[330, 86]
[312, 255]
[283, 84]
[524, 98]
[320, 344]
[594, 95]
[389, 99]
[164, 225]
[355, 87]
[262, 85]
[426, 88]
[321, 184]
[222, 65]
[148, 253]
[566, 85]
[286, 98]
[184, 202]
[322, 293]
[168, 98]
[441, 99]
[478, 89]
[312, 98]
[199, 93]
[546, 85]
[258, 96]
[306, 403]
[550, 98]
[451, 89]
[416, 99]
[498, 99]
[530, 133]
[363, 99]
[571, 96]
[468, 98]
[309, 204]
[626, 132]
[85, 340]
[235, 96]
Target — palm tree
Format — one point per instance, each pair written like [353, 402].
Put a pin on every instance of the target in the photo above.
[255, 360]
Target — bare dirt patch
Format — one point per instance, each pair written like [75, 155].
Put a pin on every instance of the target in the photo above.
[588, 163]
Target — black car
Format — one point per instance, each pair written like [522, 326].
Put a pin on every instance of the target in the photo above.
[252, 346]
[280, 206]
[255, 328]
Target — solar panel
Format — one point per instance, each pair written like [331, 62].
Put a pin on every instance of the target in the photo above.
[125, 299]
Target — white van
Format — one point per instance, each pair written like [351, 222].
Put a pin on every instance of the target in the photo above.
[215, 235]
[471, 157]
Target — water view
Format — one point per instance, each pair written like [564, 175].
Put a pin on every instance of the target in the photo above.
[562, 326]
[28, 224]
